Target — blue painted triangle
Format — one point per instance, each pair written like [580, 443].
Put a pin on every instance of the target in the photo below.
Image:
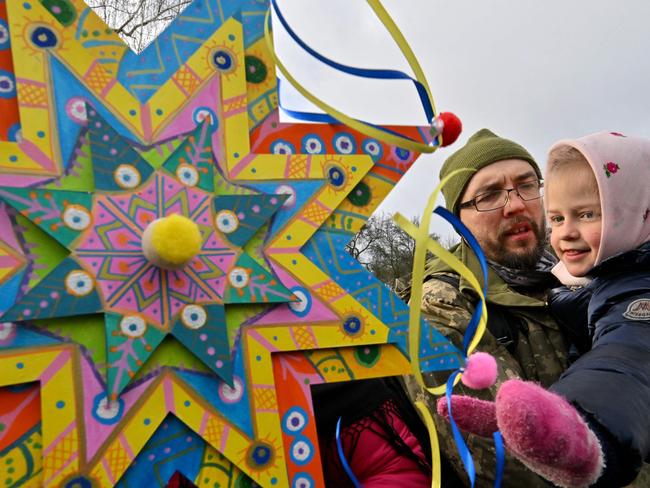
[232, 403]
[326, 249]
[200, 19]
[67, 89]
[203, 331]
[9, 290]
[22, 336]
[173, 447]
[301, 191]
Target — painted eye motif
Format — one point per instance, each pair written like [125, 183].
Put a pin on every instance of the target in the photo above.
[194, 316]
[232, 394]
[4, 34]
[402, 154]
[312, 144]
[287, 190]
[127, 176]
[238, 277]
[372, 148]
[76, 110]
[7, 85]
[133, 326]
[344, 144]
[76, 217]
[295, 420]
[303, 480]
[302, 306]
[282, 147]
[79, 283]
[223, 60]
[301, 451]
[227, 222]
[361, 195]
[336, 176]
[43, 37]
[108, 410]
[15, 134]
[188, 175]
[352, 326]
[202, 113]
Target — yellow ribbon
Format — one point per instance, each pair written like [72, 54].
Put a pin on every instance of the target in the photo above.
[357, 125]
[436, 475]
[423, 243]
[404, 46]
[454, 263]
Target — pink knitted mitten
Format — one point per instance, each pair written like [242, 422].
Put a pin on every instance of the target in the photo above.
[470, 414]
[548, 434]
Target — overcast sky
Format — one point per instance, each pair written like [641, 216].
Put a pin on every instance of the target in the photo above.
[533, 71]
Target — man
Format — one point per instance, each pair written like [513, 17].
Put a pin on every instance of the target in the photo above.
[501, 205]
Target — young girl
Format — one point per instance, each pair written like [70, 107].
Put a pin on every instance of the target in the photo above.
[593, 426]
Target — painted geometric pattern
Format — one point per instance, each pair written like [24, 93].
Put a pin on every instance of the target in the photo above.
[140, 370]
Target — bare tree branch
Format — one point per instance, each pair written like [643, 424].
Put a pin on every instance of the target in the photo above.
[384, 249]
[138, 22]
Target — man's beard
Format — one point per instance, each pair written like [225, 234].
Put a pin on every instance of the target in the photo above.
[525, 258]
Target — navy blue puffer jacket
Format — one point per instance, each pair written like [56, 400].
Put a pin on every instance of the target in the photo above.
[610, 382]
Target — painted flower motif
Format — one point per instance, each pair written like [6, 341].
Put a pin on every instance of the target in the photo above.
[611, 168]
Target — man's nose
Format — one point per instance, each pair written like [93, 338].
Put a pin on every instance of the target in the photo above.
[515, 203]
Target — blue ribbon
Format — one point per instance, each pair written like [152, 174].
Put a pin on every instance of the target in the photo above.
[461, 446]
[386, 74]
[474, 245]
[344, 462]
[328, 119]
[501, 458]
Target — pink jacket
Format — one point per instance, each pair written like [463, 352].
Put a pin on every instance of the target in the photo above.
[375, 461]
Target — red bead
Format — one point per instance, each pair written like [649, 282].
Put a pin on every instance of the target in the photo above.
[451, 129]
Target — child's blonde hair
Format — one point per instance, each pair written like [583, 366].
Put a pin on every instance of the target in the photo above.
[568, 162]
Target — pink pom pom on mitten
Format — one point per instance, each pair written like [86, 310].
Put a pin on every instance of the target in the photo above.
[480, 371]
[548, 434]
[470, 414]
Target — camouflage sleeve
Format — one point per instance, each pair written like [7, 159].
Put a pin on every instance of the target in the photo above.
[446, 309]
[449, 312]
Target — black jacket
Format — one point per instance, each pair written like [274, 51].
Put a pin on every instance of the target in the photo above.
[610, 382]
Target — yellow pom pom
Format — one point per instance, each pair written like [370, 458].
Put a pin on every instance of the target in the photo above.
[172, 241]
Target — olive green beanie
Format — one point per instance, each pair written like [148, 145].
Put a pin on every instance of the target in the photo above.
[482, 149]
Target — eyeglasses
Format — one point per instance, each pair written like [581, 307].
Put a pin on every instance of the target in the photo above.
[492, 200]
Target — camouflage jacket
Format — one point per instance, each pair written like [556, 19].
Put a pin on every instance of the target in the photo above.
[539, 354]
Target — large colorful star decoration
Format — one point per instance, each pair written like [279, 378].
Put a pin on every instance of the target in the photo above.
[172, 267]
